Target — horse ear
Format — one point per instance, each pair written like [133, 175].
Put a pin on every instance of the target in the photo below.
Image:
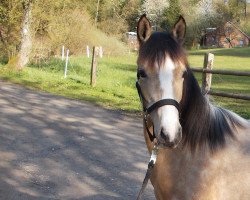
[143, 29]
[179, 30]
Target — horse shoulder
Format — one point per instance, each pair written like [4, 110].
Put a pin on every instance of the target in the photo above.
[231, 167]
[223, 175]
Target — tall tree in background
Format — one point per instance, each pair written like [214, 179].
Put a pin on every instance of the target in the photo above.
[171, 14]
[71, 22]
[131, 12]
[232, 10]
[154, 10]
[111, 19]
[26, 41]
[10, 19]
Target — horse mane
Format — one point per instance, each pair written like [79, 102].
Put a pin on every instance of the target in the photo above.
[203, 124]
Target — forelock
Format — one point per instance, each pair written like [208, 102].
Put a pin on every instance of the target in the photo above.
[158, 47]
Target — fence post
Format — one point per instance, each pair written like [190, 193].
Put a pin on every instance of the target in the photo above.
[100, 51]
[93, 68]
[87, 51]
[62, 52]
[207, 77]
[66, 63]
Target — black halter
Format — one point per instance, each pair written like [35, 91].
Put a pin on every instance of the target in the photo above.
[155, 105]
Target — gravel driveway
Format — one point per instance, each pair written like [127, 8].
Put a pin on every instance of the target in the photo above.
[55, 148]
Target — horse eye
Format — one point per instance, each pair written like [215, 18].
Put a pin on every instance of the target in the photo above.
[141, 73]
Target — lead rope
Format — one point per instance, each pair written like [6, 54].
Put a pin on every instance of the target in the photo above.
[149, 171]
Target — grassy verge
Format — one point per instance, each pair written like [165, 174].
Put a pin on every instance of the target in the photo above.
[116, 79]
[114, 88]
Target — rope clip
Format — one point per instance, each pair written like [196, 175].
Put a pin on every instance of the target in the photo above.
[154, 154]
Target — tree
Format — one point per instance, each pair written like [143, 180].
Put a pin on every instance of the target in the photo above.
[154, 10]
[10, 19]
[200, 15]
[171, 14]
[26, 41]
[111, 19]
[231, 11]
[131, 13]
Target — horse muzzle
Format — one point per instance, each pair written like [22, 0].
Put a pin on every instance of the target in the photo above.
[163, 139]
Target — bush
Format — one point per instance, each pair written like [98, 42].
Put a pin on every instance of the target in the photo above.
[75, 31]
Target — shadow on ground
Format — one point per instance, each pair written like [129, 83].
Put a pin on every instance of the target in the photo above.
[55, 148]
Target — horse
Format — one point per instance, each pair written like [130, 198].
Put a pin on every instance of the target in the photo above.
[204, 150]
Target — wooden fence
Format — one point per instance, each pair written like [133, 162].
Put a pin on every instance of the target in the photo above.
[207, 78]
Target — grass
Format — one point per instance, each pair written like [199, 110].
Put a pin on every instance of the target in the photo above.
[116, 78]
[114, 88]
[228, 59]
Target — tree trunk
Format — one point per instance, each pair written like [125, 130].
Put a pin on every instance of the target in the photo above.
[245, 8]
[26, 41]
[1, 37]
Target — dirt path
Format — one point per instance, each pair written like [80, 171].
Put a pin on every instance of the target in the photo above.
[56, 148]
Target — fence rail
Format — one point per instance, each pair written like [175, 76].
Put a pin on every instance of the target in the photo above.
[230, 95]
[207, 78]
[223, 72]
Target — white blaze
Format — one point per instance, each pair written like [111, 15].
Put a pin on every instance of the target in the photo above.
[169, 116]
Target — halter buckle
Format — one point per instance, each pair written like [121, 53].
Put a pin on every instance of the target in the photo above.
[154, 154]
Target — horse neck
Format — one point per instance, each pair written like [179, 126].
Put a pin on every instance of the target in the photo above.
[204, 125]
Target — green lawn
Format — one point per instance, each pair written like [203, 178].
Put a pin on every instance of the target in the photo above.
[228, 59]
[116, 78]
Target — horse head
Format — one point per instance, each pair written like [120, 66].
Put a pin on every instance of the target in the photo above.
[161, 70]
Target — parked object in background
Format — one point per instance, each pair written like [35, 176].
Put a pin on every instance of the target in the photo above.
[132, 40]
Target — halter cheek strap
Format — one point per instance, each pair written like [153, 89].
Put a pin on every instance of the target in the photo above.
[142, 98]
[147, 111]
[156, 105]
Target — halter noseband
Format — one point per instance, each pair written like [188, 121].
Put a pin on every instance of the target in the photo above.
[155, 105]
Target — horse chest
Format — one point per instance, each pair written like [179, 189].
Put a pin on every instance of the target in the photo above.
[179, 177]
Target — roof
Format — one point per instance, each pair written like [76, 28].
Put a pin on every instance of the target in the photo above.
[239, 29]
[212, 30]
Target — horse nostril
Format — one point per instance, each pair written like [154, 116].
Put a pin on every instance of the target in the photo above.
[164, 136]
